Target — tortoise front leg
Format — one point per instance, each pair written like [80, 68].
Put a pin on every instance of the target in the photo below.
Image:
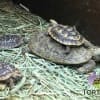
[87, 67]
[67, 51]
[10, 82]
[88, 44]
[2, 86]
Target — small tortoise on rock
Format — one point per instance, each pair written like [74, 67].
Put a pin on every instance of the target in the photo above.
[66, 35]
[9, 75]
[10, 41]
[44, 46]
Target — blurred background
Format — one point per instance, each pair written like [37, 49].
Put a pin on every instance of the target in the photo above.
[84, 14]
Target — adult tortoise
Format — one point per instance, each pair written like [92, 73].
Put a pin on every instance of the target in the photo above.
[49, 48]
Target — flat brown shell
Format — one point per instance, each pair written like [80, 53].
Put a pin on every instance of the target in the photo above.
[6, 70]
[10, 41]
[65, 35]
[44, 46]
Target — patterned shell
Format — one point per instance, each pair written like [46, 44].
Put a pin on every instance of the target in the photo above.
[44, 46]
[6, 70]
[10, 41]
[65, 35]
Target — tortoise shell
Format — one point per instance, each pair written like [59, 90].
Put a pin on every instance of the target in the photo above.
[65, 35]
[10, 41]
[7, 71]
[44, 46]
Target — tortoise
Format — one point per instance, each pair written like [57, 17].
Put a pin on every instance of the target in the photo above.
[9, 75]
[66, 35]
[44, 46]
[9, 41]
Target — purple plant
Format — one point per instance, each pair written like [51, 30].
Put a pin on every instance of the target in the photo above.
[91, 78]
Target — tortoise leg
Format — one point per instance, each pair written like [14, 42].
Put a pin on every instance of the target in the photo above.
[87, 67]
[88, 44]
[67, 50]
[96, 58]
[2, 86]
[11, 83]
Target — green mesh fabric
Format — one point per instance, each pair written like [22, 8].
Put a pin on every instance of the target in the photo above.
[42, 79]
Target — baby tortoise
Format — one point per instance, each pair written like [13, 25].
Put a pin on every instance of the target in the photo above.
[44, 46]
[66, 35]
[10, 41]
[9, 75]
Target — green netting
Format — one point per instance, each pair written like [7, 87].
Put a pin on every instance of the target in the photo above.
[43, 80]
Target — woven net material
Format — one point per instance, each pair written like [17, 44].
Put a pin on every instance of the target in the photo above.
[42, 79]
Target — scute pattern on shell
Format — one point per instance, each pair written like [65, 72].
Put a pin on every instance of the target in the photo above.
[10, 41]
[6, 70]
[44, 46]
[66, 35]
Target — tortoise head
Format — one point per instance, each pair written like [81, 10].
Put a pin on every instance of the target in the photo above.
[53, 22]
[55, 27]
